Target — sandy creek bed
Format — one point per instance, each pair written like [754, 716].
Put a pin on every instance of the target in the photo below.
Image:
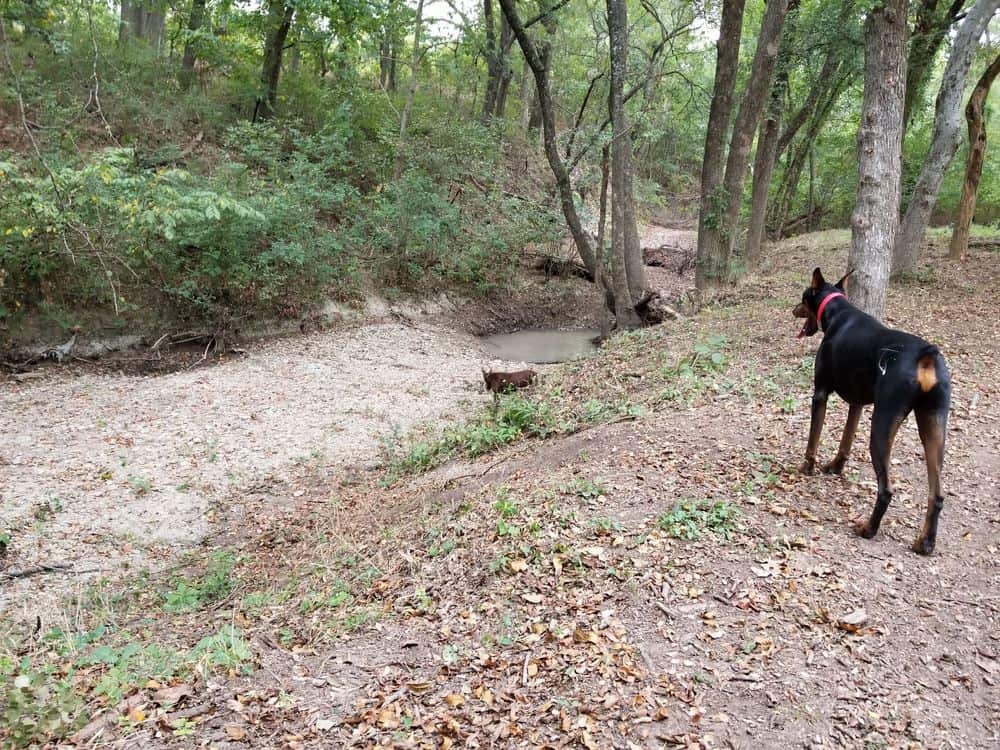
[108, 473]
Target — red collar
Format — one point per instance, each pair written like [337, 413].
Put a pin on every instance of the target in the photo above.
[822, 305]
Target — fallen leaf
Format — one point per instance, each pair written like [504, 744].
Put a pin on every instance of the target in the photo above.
[518, 566]
[235, 732]
[170, 695]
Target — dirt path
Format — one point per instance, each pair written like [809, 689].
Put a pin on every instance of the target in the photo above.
[99, 471]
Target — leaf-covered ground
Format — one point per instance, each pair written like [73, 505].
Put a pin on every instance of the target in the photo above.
[653, 573]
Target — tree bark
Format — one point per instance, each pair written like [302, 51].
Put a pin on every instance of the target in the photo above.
[792, 174]
[763, 166]
[880, 143]
[929, 31]
[974, 165]
[626, 257]
[721, 238]
[140, 21]
[506, 71]
[540, 71]
[493, 62]
[947, 135]
[708, 272]
[527, 95]
[279, 18]
[411, 90]
[195, 21]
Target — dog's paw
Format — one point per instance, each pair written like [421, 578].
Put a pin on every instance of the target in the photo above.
[863, 528]
[923, 545]
[808, 467]
[836, 466]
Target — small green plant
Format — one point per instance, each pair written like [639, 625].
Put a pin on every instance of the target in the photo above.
[47, 509]
[689, 520]
[789, 404]
[36, 705]
[505, 506]
[585, 489]
[224, 650]
[191, 593]
[5, 540]
[606, 526]
[140, 485]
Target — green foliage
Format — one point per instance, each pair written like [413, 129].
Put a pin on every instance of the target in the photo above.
[224, 650]
[36, 704]
[192, 593]
[514, 417]
[689, 520]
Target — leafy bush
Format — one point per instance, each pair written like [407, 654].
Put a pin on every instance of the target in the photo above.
[107, 231]
[36, 704]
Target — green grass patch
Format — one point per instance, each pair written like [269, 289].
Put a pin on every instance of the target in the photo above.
[691, 520]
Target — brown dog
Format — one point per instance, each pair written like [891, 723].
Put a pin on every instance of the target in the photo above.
[498, 382]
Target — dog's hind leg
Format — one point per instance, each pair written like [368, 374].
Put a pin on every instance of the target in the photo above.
[932, 424]
[815, 429]
[844, 451]
[885, 425]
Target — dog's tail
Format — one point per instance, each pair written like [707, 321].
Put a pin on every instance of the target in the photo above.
[928, 376]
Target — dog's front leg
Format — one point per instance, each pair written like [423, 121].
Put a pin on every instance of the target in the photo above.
[815, 429]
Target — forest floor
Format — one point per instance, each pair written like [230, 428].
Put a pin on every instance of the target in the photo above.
[653, 572]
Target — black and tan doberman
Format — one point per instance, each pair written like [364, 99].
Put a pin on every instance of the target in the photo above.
[864, 362]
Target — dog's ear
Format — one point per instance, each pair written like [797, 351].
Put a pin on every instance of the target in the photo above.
[817, 280]
[840, 284]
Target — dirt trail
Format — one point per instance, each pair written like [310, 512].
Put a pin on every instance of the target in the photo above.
[101, 470]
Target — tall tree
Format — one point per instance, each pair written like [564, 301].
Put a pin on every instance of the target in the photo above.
[540, 70]
[195, 21]
[974, 164]
[763, 167]
[498, 67]
[411, 89]
[707, 272]
[142, 19]
[279, 22]
[946, 137]
[626, 256]
[720, 236]
[880, 144]
[933, 19]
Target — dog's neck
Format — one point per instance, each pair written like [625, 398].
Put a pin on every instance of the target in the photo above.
[824, 303]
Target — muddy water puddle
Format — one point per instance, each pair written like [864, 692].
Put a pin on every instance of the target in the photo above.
[542, 346]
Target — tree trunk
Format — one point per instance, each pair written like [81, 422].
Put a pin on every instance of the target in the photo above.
[929, 31]
[139, 21]
[763, 167]
[279, 18]
[411, 90]
[600, 278]
[626, 257]
[540, 71]
[195, 21]
[947, 135]
[720, 239]
[493, 63]
[708, 271]
[789, 185]
[527, 95]
[880, 143]
[506, 71]
[974, 165]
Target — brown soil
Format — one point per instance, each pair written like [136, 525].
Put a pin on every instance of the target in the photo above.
[539, 598]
